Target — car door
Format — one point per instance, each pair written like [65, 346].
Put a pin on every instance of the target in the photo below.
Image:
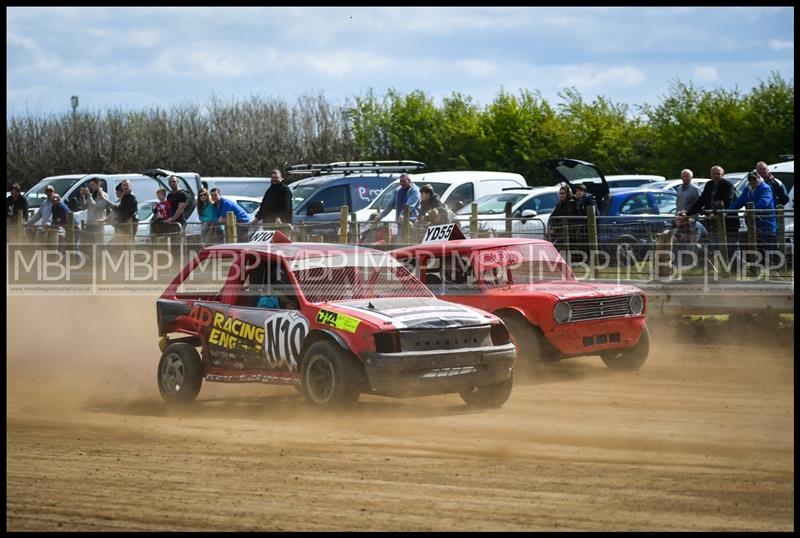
[264, 326]
[543, 204]
[461, 196]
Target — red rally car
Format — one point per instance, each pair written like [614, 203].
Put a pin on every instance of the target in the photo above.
[334, 320]
[526, 283]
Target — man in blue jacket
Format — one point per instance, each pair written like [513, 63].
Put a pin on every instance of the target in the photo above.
[758, 192]
[407, 194]
[221, 208]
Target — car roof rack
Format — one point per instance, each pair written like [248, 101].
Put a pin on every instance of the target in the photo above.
[349, 167]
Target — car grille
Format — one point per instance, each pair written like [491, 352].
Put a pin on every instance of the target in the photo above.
[438, 339]
[606, 307]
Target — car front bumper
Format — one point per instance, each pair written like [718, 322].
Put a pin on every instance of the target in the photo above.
[418, 373]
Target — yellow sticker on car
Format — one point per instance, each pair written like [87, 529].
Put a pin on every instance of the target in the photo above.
[338, 320]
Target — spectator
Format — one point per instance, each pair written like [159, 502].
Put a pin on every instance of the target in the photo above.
[161, 212]
[431, 209]
[407, 194]
[59, 211]
[209, 232]
[16, 203]
[583, 199]
[178, 201]
[689, 192]
[96, 203]
[221, 208]
[276, 206]
[688, 238]
[718, 189]
[759, 192]
[127, 213]
[45, 211]
[779, 194]
[559, 221]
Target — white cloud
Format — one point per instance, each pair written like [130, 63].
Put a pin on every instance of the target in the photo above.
[592, 77]
[213, 61]
[776, 44]
[478, 68]
[342, 63]
[143, 38]
[709, 74]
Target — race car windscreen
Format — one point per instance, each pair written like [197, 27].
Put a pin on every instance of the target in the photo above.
[527, 264]
[350, 276]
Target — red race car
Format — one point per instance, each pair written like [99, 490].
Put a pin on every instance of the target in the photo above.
[526, 283]
[334, 320]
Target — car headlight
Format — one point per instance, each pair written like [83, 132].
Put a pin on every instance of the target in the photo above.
[562, 312]
[636, 304]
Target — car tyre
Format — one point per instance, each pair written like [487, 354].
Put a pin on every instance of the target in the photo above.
[630, 359]
[180, 374]
[527, 342]
[488, 396]
[330, 376]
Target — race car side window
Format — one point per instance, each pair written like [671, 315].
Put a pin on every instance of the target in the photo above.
[266, 285]
[207, 278]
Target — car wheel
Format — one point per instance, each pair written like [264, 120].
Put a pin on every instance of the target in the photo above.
[526, 340]
[631, 358]
[330, 375]
[627, 247]
[180, 373]
[488, 396]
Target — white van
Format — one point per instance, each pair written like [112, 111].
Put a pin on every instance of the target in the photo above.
[239, 186]
[455, 189]
[143, 186]
[626, 181]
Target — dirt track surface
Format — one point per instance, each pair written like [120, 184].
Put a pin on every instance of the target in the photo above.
[702, 438]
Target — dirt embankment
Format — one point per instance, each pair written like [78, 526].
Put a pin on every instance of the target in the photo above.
[702, 438]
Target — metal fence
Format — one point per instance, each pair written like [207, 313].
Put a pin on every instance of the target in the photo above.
[730, 244]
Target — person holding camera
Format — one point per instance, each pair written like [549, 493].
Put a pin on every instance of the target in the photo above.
[96, 203]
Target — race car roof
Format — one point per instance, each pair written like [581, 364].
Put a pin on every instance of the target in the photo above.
[293, 250]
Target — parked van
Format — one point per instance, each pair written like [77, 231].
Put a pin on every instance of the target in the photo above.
[239, 186]
[317, 200]
[143, 186]
[455, 189]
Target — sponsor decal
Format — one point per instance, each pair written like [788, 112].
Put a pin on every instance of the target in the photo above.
[285, 334]
[338, 320]
[253, 378]
[232, 333]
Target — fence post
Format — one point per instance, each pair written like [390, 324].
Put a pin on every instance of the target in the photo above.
[20, 227]
[750, 220]
[722, 237]
[230, 227]
[473, 221]
[69, 232]
[406, 225]
[591, 229]
[301, 231]
[343, 224]
[780, 236]
[52, 238]
[663, 250]
[354, 228]
[508, 219]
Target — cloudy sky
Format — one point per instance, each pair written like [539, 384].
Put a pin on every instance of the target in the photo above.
[133, 58]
